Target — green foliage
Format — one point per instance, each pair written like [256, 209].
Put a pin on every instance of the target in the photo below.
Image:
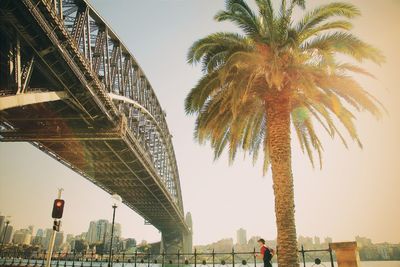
[276, 55]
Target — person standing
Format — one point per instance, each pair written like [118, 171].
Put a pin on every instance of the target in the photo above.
[266, 253]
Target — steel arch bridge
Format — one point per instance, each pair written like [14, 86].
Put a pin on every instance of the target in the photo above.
[70, 87]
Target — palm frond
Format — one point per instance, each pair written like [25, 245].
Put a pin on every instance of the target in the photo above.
[344, 43]
[324, 12]
[238, 12]
[328, 26]
[214, 43]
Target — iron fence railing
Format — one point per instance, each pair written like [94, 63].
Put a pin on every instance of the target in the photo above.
[318, 257]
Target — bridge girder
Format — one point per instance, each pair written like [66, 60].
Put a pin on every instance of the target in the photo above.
[19, 100]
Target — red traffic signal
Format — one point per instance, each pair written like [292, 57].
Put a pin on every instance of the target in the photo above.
[58, 208]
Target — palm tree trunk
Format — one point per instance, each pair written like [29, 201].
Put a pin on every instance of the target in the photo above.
[278, 136]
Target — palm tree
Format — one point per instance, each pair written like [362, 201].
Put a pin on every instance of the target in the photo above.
[278, 71]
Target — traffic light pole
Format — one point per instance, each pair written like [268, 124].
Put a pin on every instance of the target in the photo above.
[53, 238]
[50, 249]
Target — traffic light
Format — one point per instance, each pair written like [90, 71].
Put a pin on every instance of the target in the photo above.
[56, 225]
[58, 208]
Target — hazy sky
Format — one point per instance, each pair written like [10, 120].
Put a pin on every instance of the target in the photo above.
[356, 192]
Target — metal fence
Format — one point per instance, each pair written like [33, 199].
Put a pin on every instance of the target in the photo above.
[318, 257]
[323, 257]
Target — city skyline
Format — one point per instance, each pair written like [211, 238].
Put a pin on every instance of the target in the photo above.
[98, 234]
[96, 230]
[26, 241]
[239, 237]
[355, 193]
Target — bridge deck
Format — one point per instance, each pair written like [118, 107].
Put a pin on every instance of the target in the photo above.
[105, 157]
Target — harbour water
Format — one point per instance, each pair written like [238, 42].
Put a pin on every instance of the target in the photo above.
[363, 264]
[308, 264]
[380, 264]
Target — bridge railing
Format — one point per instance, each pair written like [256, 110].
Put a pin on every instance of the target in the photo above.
[312, 257]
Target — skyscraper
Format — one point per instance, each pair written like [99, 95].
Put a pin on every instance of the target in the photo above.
[101, 230]
[8, 236]
[92, 233]
[2, 226]
[22, 237]
[40, 233]
[37, 241]
[241, 237]
[58, 240]
[30, 228]
[117, 230]
[130, 244]
[47, 237]
[69, 238]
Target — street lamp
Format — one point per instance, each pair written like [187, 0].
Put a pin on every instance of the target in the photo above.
[116, 200]
[4, 235]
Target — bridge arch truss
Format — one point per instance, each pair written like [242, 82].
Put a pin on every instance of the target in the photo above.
[107, 70]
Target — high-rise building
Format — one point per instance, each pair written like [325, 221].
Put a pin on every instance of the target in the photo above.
[22, 237]
[69, 238]
[58, 240]
[92, 233]
[101, 230]
[130, 243]
[40, 232]
[116, 236]
[37, 241]
[241, 237]
[8, 235]
[117, 230]
[2, 224]
[47, 237]
[30, 228]
[82, 236]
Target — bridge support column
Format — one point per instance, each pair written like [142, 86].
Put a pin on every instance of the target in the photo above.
[188, 243]
[188, 237]
[182, 242]
[171, 245]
